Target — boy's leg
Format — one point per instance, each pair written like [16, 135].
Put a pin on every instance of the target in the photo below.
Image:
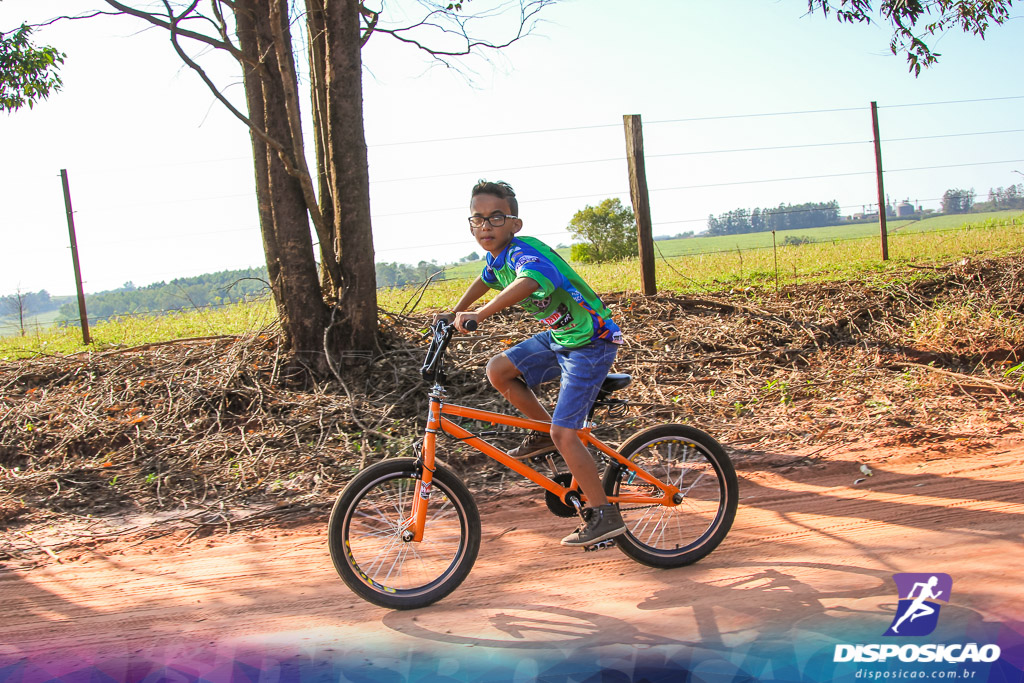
[580, 463]
[583, 372]
[508, 380]
[512, 373]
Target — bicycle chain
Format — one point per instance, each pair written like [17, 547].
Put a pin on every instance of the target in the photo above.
[639, 507]
[654, 490]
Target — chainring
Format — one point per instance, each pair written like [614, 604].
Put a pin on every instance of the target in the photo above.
[555, 504]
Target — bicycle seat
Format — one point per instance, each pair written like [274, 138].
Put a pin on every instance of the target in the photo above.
[614, 382]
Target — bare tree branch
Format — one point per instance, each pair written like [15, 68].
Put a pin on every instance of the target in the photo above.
[371, 18]
[446, 22]
[157, 21]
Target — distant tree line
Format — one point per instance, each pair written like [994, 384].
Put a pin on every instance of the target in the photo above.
[1001, 198]
[28, 303]
[201, 291]
[401, 274]
[678, 236]
[783, 217]
[957, 200]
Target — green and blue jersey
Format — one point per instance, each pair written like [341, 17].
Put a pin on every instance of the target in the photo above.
[563, 301]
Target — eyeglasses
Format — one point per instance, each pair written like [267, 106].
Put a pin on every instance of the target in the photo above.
[497, 220]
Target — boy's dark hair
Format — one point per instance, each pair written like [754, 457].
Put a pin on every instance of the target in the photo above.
[499, 189]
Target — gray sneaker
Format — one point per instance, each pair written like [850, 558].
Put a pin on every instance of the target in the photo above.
[602, 523]
[535, 443]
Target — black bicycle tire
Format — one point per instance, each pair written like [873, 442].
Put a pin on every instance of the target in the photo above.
[728, 486]
[444, 483]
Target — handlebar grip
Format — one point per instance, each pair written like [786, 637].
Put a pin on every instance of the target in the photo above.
[470, 325]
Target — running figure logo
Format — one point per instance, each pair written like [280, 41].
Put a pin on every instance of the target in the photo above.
[917, 614]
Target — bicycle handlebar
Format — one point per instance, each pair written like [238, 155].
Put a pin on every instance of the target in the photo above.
[442, 332]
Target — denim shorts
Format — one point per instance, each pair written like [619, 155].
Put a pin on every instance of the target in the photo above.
[582, 371]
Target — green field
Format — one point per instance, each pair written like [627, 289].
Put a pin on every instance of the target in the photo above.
[704, 264]
[684, 266]
[763, 240]
[11, 326]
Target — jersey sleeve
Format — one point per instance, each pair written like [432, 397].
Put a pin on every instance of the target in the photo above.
[541, 270]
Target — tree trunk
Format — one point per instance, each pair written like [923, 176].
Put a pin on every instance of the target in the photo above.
[318, 96]
[346, 171]
[284, 221]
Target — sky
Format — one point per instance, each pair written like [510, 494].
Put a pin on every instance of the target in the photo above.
[751, 103]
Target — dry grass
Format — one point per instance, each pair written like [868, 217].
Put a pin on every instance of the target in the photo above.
[208, 425]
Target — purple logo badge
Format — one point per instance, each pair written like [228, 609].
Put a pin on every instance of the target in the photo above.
[918, 613]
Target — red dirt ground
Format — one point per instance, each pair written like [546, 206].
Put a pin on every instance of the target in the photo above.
[810, 547]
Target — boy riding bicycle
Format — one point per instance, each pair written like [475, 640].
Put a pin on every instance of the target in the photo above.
[579, 345]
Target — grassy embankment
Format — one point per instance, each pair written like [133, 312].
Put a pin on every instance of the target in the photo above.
[693, 266]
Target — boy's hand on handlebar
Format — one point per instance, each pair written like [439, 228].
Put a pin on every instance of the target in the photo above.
[447, 317]
[466, 321]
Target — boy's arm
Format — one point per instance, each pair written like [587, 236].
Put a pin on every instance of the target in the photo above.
[517, 291]
[475, 290]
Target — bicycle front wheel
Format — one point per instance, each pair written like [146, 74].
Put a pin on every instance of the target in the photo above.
[687, 458]
[368, 546]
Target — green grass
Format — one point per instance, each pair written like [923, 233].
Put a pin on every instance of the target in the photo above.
[763, 240]
[134, 331]
[946, 222]
[752, 261]
[940, 240]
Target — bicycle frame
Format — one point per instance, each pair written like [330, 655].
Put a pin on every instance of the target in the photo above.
[438, 422]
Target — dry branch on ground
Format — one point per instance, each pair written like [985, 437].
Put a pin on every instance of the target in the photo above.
[209, 426]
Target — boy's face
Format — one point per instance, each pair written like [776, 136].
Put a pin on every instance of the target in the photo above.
[491, 238]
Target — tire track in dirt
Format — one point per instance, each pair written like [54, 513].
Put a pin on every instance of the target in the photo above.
[808, 548]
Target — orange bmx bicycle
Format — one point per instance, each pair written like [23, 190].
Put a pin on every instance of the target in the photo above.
[405, 532]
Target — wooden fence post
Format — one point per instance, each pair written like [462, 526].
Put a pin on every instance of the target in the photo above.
[881, 189]
[74, 258]
[641, 202]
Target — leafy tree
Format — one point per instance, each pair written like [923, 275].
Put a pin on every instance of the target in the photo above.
[807, 215]
[783, 217]
[1011, 197]
[608, 231]
[27, 73]
[401, 274]
[27, 302]
[334, 197]
[913, 21]
[757, 220]
[957, 201]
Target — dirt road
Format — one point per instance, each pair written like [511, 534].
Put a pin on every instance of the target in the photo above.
[808, 564]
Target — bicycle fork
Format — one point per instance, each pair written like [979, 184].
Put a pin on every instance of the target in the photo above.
[421, 496]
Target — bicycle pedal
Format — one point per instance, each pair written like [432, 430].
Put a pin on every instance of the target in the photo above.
[610, 543]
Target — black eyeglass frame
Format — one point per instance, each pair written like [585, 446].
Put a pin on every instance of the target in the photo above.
[478, 221]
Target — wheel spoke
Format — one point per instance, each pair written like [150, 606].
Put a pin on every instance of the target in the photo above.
[686, 465]
[375, 534]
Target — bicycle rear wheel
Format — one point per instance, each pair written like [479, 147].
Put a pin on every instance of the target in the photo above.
[365, 536]
[687, 458]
